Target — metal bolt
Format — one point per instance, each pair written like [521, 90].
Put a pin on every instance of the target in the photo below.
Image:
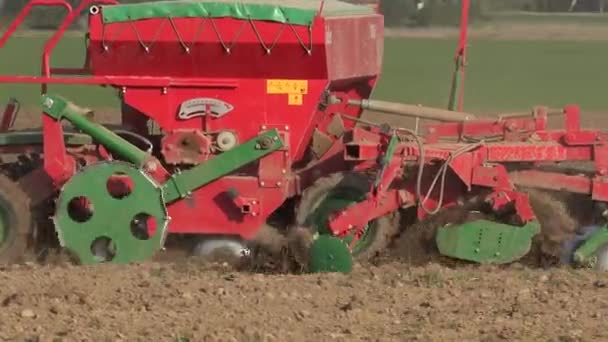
[283, 171]
[287, 128]
[265, 143]
[279, 183]
[124, 90]
[350, 226]
[164, 90]
[147, 49]
[476, 250]
[151, 166]
[268, 51]
[48, 102]
[263, 126]
[187, 49]
[262, 183]
[254, 202]
[254, 214]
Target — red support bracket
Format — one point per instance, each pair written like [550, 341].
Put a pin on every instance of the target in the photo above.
[57, 163]
[357, 216]
[248, 206]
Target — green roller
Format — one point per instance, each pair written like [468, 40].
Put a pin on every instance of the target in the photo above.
[585, 253]
[329, 254]
[486, 242]
[98, 224]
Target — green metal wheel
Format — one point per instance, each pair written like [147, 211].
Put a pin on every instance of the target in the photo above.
[111, 212]
[15, 221]
[331, 194]
[335, 200]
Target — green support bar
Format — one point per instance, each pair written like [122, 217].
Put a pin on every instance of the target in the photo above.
[183, 183]
[454, 90]
[386, 159]
[60, 108]
[588, 249]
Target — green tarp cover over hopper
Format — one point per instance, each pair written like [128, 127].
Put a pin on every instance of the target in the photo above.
[297, 12]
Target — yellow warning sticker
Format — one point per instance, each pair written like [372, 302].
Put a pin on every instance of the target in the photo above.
[287, 87]
[294, 99]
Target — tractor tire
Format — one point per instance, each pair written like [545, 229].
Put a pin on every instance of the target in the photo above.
[380, 232]
[16, 222]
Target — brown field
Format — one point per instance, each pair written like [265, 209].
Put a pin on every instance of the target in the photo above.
[194, 302]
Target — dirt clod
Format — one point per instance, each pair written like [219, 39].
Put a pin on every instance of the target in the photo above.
[28, 313]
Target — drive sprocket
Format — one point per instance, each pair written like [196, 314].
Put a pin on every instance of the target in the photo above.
[111, 212]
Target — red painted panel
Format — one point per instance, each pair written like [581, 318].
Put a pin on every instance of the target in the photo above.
[198, 48]
[211, 210]
[355, 46]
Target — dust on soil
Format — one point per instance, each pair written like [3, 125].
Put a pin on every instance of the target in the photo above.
[389, 301]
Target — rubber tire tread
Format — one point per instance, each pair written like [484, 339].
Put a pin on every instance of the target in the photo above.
[386, 227]
[19, 219]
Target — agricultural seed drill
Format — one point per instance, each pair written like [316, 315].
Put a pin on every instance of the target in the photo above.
[233, 113]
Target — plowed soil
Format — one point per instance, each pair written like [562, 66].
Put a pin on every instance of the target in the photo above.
[196, 302]
[193, 301]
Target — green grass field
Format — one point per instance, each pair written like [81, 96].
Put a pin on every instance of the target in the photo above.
[502, 75]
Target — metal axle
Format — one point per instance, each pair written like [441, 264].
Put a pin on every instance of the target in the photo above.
[402, 109]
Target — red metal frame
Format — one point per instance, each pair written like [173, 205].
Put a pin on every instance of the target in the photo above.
[155, 90]
[155, 82]
[482, 167]
[461, 53]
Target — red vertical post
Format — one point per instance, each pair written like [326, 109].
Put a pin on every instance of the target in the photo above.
[462, 49]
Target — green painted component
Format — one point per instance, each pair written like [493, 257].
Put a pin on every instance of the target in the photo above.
[585, 252]
[59, 108]
[484, 241]
[329, 254]
[455, 85]
[387, 158]
[112, 217]
[183, 183]
[35, 137]
[338, 199]
[295, 12]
